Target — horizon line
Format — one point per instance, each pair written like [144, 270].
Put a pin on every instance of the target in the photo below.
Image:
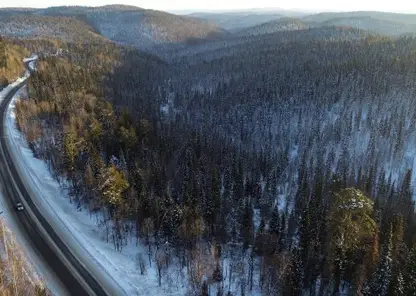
[220, 10]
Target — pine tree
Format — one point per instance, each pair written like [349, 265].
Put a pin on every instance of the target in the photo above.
[112, 183]
[351, 221]
[188, 184]
[217, 274]
[410, 273]
[298, 273]
[219, 291]
[381, 278]
[398, 286]
[247, 227]
[282, 233]
[260, 239]
[70, 150]
[212, 206]
[351, 229]
[238, 184]
[204, 289]
[304, 236]
[406, 205]
[274, 224]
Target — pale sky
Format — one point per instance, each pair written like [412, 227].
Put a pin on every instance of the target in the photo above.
[406, 6]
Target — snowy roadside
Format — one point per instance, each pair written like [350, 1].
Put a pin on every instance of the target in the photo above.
[39, 272]
[79, 229]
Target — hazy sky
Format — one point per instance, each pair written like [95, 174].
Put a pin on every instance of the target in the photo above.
[315, 5]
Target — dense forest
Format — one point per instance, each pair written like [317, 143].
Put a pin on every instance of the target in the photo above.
[279, 163]
[11, 64]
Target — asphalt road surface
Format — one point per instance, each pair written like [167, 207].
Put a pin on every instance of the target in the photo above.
[77, 280]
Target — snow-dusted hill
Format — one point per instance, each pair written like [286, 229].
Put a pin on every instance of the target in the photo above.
[31, 26]
[128, 25]
[284, 24]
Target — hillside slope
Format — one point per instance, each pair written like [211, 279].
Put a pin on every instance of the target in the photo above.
[284, 24]
[373, 25]
[47, 27]
[144, 28]
[127, 25]
[386, 16]
[377, 22]
[11, 64]
[237, 20]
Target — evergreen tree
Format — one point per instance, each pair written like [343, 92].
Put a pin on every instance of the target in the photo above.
[260, 240]
[238, 184]
[204, 289]
[247, 227]
[397, 286]
[282, 233]
[112, 183]
[351, 230]
[410, 273]
[70, 150]
[298, 273]
[217, 274]
[274, 224]
[188, 184]
[381, 278]
[212, 205]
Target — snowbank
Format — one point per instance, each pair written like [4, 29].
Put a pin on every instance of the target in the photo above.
[32, 58]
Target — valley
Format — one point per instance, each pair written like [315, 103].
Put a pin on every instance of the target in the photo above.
[246, 153]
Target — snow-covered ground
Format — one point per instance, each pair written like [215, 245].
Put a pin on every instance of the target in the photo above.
[80, 231]
[87, 239]
[39, 271]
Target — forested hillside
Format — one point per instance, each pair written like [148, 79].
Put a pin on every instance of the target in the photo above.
[393, 24]
[283, 24]
[11, 64]
[127, 25]
[69, 29]
[237, 20]
[276, 164]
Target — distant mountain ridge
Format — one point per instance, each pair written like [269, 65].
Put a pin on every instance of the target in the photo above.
[152, 30]
[386, 16]
[128, 25]
[373, 25]
[283, 24]
[44, 27]
[237, 20]
[263, 22]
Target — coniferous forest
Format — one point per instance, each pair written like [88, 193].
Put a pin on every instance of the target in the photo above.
[285, 159]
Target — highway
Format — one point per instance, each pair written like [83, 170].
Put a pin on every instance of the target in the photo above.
[72, 273]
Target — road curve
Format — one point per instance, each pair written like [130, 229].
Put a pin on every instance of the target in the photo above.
[73, 274]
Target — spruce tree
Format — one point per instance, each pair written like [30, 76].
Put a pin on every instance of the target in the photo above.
[274, 224]
[410, 273]
[382, 276]
[282, 233]
[247, 227]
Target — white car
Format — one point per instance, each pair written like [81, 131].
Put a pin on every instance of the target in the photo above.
[19, 207]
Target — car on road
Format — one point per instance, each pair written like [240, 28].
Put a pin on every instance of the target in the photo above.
[19, 207]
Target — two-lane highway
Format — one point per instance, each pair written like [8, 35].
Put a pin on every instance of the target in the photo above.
[52, 249]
